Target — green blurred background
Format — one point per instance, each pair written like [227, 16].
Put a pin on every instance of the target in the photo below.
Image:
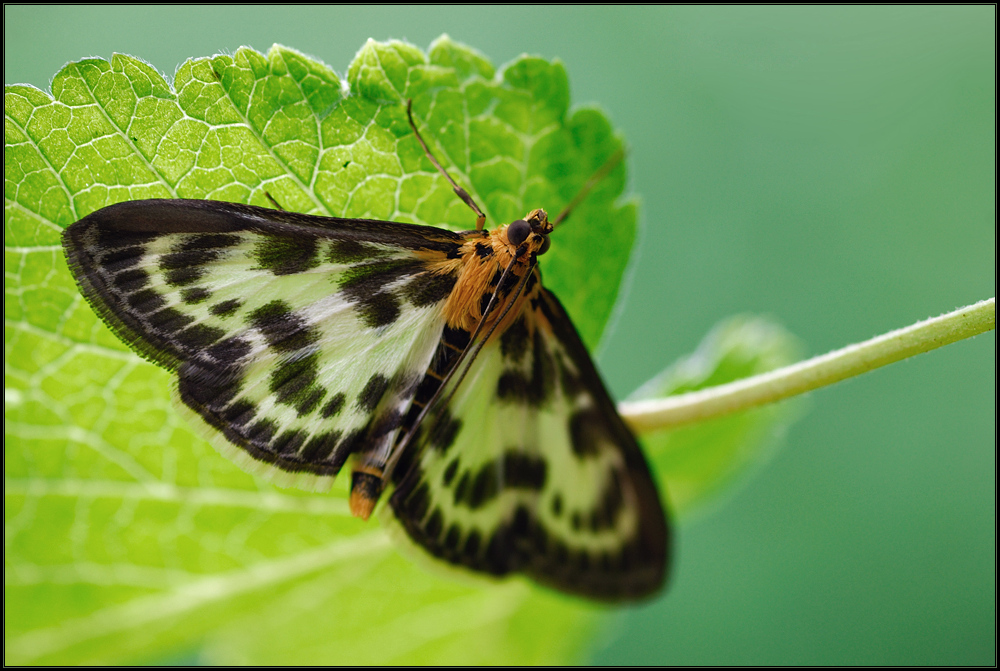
[833, 168]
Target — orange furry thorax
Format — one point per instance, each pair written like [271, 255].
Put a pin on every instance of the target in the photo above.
[484, 256]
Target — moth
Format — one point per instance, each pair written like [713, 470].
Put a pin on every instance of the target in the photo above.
[435, 362]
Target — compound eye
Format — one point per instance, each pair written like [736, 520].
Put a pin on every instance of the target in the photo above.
[518, 232]
[545, 245]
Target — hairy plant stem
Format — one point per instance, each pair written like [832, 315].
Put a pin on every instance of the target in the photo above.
[804, 376]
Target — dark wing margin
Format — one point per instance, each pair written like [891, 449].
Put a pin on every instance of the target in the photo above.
[645, 563]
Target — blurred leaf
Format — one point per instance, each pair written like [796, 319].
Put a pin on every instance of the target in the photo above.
[130, 539]
[695, 462]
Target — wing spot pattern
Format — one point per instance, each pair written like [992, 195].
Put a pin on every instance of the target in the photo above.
[145, 301]
[462, 488]
[522, 542]
[557, 504]
[213, 378]
[472, 544]
[433, 525]
[451, 539]
[376, 279]
[352, 251]
[168, 321]
[133, 273]
[130, 281]
[320, 447]
[523, 471]
[444, 431]
[198, 337]
[605, 514]
[206, 387]
[572, 385]
[422, 290]
[284, 330]
[372, 393]
[333, 406]
[294, 384]
[239, 413]
[117, 260]
[498, 553]
[519, 471]
[418, 502]
[485, 486]
[366, 286]
[109, 238]
[184, 276]
[449, 473]
[230, 351]
[186, 265]
[195, 295]
[288, 442]
[560, 553]
[379, 310]
[283, 255]
[514, 341]
[514, 386]
[226, 308]
[261, 433]
[210, 241]
[587, 430]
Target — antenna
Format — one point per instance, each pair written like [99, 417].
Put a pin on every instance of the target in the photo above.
[459, 191]
[602, 172]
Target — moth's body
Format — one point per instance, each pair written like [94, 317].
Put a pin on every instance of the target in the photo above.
[433, 361]
[483, 256]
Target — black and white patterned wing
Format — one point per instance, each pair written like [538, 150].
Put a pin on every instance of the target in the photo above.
[530, 469]
[298, 340]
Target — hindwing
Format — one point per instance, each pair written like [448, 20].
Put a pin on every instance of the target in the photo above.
[529, 468]
[297, 339]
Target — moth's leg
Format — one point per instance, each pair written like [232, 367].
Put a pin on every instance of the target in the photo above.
[459, 191]
[273, 201]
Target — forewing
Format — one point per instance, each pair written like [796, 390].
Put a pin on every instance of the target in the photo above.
[531, 469]
[297, 340]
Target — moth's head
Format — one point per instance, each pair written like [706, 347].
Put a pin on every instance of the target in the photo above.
[533, 230]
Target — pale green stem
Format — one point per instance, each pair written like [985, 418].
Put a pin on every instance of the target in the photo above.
[820, 371]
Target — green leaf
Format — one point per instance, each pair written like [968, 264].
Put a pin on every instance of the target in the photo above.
[128, 539]
[696, 462]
